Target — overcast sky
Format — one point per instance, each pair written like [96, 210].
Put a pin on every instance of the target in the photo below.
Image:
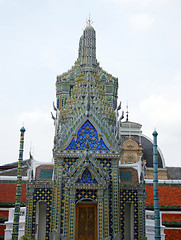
[138, 41]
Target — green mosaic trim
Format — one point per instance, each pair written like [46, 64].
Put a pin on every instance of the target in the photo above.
[30, 212]
[58, 198]
[164, 184]
[175, 224]
[106, 165]
[67, 164]
[106, 214]
[13, 181]
[62, 207]
[27, 219]
[115, 200]
[2, 220]
[151, 207]
[11, 204]
[53, 223]
[141, 218]
[66, 214]
[100, 219]
[72, 218]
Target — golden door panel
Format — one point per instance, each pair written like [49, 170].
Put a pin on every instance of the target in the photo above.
[86, 221]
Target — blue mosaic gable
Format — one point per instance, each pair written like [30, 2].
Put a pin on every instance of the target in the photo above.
[87, 132]
[86, 177]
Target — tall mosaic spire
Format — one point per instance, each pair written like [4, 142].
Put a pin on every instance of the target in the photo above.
[88, 47]
[86, 90]
[18, 187]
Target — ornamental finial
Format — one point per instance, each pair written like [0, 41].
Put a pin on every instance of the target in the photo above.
[127, 113]
[89, 21]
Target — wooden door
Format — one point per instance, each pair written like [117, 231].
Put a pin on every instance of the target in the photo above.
[86, 221]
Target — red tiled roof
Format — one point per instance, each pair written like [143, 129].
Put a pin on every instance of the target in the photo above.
[172, 234]
[168, 196]
[171, 217]
[8, 192]
[2, 228]
[4, 214]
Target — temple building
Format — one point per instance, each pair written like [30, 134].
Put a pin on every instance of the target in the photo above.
[100, 183]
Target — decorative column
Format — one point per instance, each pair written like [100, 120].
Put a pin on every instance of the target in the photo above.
[155, 188]
[115, 196]
[100, 214]
[141, 210]
[72, 214]
[18, 187]
[106, 214]
[53, 218]
[66, 213]
[29, 210]
[56, 213]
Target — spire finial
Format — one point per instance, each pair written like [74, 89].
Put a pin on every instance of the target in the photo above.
[89, 21]
[127, 112]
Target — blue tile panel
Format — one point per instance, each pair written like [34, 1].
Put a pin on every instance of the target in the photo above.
[44, 194]
[46, 173]
[87, 132]
[86, 177]
[129, 196]
[86, 194]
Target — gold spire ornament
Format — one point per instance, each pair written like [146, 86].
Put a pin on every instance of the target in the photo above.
[89, 21]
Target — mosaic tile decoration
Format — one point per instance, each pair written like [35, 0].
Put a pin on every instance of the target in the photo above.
[62, 207]
[100, 222]
[86, 194]
[66, 214]
[68, 162]
[72, 216]
[87, 132]
[86, 177]
[106, 164]
[44, 194]
[142, 218]
[58, 200]
[129, 196]
[106, 214]
[115, 199]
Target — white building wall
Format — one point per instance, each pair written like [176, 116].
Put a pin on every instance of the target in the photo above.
[150, 226]
[9, 223]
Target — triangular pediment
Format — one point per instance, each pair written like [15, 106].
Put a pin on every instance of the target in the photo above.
[87, 133]
[87, 172]
[86, 177]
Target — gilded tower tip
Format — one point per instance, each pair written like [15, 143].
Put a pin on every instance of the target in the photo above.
[89, 22]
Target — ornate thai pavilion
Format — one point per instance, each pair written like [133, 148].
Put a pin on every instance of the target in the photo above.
[90, 192]
[95, 188]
